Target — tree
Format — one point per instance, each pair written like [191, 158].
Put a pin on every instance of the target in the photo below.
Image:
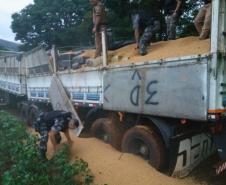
[186, 25]
[56, 22]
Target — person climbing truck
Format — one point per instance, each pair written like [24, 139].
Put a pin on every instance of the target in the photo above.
[99, 24]
[203, 20]
[50, 124]
[144, 25]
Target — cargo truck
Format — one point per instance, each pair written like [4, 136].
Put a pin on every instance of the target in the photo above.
[170, 111]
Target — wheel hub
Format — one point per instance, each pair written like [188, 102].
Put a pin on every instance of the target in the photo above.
[105, 138]
[144, 150]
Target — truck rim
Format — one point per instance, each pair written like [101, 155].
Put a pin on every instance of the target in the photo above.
[144, 142]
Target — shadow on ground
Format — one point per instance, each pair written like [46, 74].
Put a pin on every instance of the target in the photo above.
[205, 174]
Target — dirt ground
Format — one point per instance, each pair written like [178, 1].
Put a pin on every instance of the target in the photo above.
[111, 167]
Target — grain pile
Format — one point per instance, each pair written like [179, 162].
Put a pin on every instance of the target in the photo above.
[160, 50]
[111, 167]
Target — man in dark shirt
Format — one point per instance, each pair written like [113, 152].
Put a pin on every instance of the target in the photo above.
[144, 26]
[172, 11]
[51, 124]
[203, 20]
[99, 24]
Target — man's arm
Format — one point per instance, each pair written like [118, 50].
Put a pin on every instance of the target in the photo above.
[179, 3]
[56, 128]
[52, 139]
[67, 135]
[96, 23]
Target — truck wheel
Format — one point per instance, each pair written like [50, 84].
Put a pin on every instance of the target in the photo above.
[23, 113]
[143, 141]
[32, 116]
[105, 130]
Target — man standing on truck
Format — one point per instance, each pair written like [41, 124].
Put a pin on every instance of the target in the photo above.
[203, 20]
[99, 24]
[51, 124]
[173, 11]
[144, 26]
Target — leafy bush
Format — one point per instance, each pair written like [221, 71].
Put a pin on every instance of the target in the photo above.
[20, 163]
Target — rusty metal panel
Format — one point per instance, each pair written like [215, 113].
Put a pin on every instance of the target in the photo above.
[176, 90]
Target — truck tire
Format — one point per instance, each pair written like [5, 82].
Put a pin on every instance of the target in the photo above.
[23, 113]
[143, 141]
[104, 129]
[32, 116]
[91, 116]
[23, 108]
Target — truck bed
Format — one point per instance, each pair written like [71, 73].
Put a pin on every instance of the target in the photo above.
[157, 51]
[143, 81]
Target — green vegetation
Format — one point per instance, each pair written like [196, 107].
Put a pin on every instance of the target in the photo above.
[69, 22]
[20, 163]
[53, 22]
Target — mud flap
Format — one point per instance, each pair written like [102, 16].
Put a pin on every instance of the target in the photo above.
[60, 101]
[220, 167]
[219, 140]
[187, 152]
